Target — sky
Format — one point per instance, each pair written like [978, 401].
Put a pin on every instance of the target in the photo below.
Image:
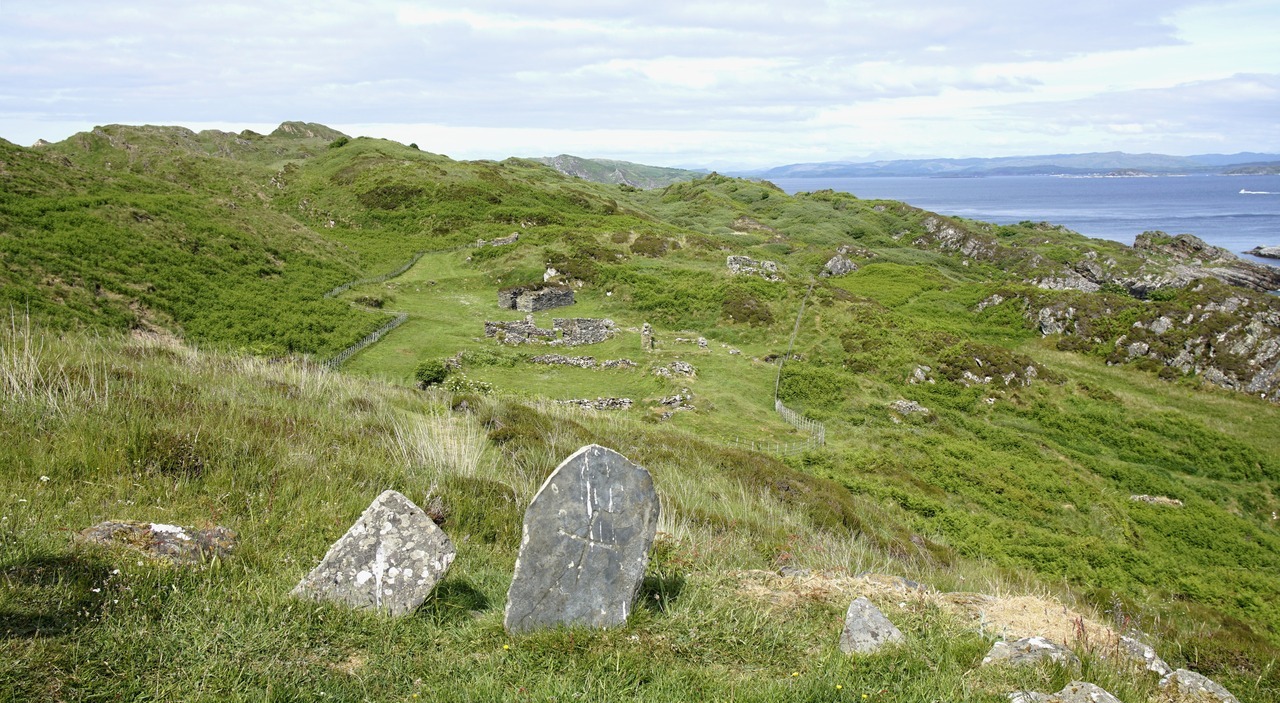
[726, 85]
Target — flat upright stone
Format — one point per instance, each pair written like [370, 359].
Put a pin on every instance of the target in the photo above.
[1029, 651]
[388, 561]
[1145, 655]
[1184, 685]
[586, 544]
[866, 629]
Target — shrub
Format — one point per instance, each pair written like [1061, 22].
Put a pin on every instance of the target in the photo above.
[431, 372]
[740, 306]
[339, 142]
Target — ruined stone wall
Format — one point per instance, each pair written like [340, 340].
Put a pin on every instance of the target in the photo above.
[535, 297]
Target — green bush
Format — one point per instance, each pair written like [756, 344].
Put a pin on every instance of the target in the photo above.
[430, 373]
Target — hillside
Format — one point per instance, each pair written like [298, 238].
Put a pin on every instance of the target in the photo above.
[618, 172]
[993, 399]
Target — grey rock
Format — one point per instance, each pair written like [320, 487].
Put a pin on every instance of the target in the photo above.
[907, 407]
[1268, 252]
[1029, 651]
[388, 561]
[1074, 692]
[1145, 655]
[839, 265]
[586, 544]
[1190, 686]
[866, 629]
[745, 265]
[171, 543]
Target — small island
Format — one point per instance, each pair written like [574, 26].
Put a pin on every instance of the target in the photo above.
[1267, 252]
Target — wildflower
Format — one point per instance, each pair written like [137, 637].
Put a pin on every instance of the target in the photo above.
[795, 673]
[506, 646]
[839, 687]
[44, 479]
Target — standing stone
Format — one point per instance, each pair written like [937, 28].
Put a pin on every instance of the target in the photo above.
[866, 629]
[646, 337]
[586, 544]
[388, 561]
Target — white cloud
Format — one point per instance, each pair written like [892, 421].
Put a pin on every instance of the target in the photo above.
[748, 80]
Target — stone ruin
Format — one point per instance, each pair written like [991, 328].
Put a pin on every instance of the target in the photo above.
[534, 297]
[500, 241]
[567, 332]
[586, 544]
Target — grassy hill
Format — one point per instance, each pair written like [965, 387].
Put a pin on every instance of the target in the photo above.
[1018, 487]
[618, 172]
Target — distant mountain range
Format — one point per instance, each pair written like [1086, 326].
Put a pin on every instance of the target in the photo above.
[1099, 164]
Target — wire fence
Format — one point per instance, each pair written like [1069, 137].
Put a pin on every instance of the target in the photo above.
[374, 279]
[817, 431]
[372, 337]
[377, 334]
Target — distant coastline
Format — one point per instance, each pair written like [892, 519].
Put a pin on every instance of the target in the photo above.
[1235, 214]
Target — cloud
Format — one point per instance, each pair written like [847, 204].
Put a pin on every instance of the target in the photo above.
[733, 69]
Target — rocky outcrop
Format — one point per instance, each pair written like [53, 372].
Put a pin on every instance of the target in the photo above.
[1225, 336]
[747, 266]
[1029, 651]
[842, 263]
[1194, 258]
[1265, 252]
[948, 235]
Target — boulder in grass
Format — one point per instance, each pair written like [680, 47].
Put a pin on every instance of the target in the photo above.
[1143, 654]
[1184, 685]
[866, 629]
[1029, 651]
[388, 561]
[1074, 692]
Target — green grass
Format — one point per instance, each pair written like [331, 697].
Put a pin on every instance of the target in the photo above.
[233, 243]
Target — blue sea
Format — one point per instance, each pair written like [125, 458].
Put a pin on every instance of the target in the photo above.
[1237, 213]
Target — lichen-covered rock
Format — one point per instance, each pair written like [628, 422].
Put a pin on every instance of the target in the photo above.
[1184, 685]
[1074, 692]
[1144, 654]
[170, 543]
[586, 544]
[866, 629]
[745, 265]
[1029, 651]
[388, 561]
[908, 407]
[838, 265]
